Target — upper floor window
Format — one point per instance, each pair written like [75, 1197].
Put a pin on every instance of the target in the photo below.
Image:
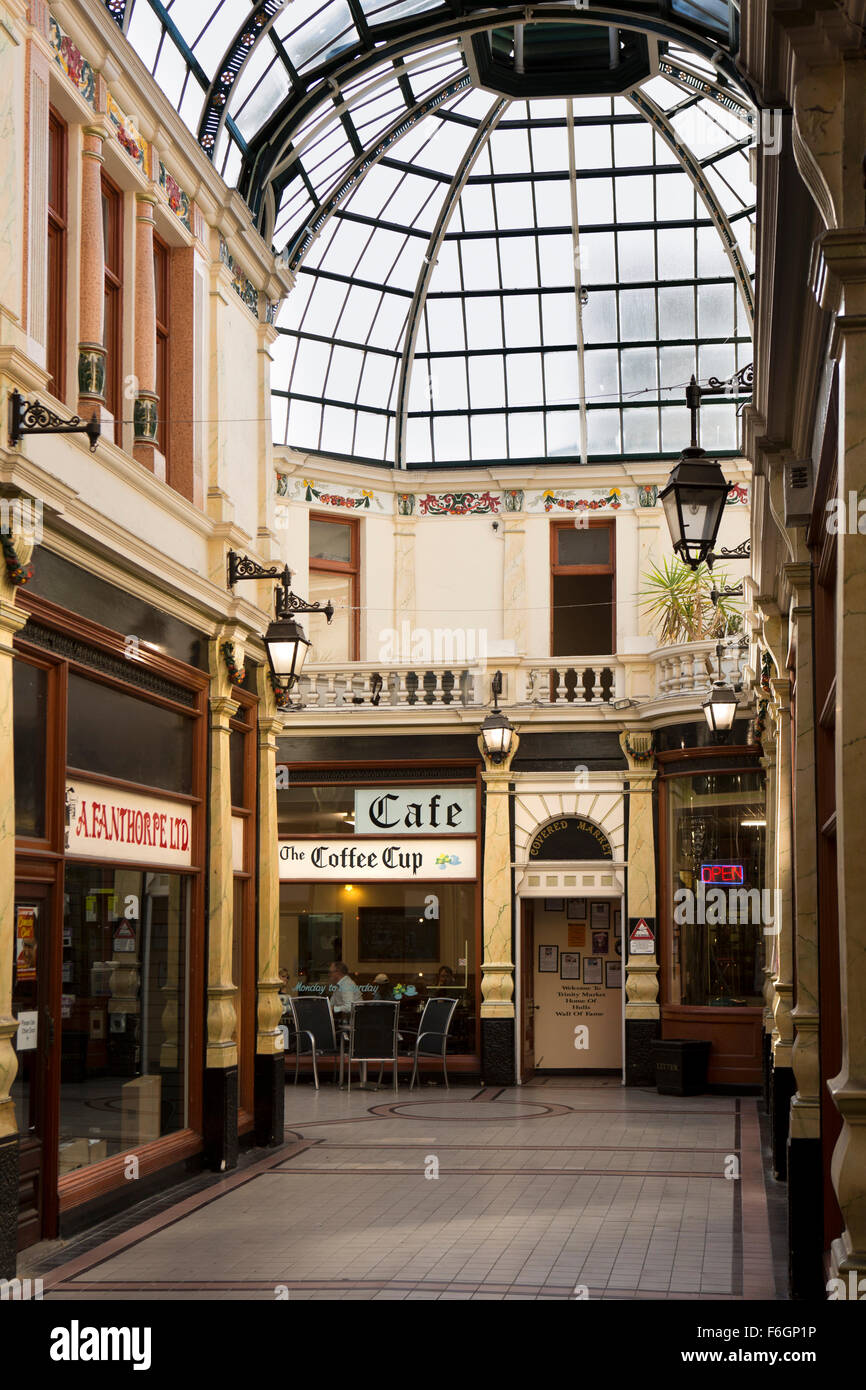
[112, 231]
[334, 575]
[582, 588]
[57, 207]
[161, 261]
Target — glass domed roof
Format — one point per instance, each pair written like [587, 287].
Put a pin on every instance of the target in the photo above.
[481, 276]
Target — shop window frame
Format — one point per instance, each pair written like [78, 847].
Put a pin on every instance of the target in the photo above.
[244, 723]
[558, 569]
[113, 210]
[45, 861]
[352, 569]
[57, 243]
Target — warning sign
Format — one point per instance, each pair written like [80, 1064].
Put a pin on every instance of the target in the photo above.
[124, 937]
[641, 937]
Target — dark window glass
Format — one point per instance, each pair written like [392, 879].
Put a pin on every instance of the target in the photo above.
[121, 736]
[582, 614]
[577, 546]
[122, 1034]
[329, 540]
[29, 695]
[314, 810]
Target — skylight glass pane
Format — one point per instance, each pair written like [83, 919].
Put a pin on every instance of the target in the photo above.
[597, 258]
[370, 435]
[600, 376]
[640, 431]
[525, 435]
[483, 322]
[594, 201]
[676, 313]
[488, 437]
[451, 439]
[563, 433]
[556, 256]
[637, 314]
[486, 381]
[523, 375]
[676, 252]
[636, 253]
[561, 380]
[602, 431]
[522, 324]
[639, 372]
[145, 32]
[634, 198]
[559, 318]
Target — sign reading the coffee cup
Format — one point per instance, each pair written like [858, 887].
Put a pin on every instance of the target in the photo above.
[107, 823]
[345, 860]
[414, 810]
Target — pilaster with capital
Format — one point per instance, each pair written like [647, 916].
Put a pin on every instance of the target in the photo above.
[269, 1039]
[642, 972]
[146, 406]
[497, 911]
[91, 290]
[783, 978]
[222, 1048]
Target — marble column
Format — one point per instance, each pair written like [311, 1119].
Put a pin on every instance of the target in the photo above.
[497, 923]
[145, 410]
[782, 1084]
[404, 583]
[91, 289]
[768, 763]
[11, 620]
[270, 1081]
[221, 1057]
[805, 1224]
[642, 1013]
[514, 612]
[844, 252]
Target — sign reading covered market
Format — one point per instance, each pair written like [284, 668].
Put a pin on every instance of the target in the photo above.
[106, 823]
[404, 859]
[415, 810]
[570, 837]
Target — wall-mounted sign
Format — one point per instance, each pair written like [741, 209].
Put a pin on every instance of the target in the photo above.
[25, 943]
[414, 810]
[722, 873]
[641, 936]
[105, 823]
[347, 859]
[26, 1037]
[571, 837]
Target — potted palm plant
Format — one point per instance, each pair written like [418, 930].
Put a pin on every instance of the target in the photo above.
[679, 599]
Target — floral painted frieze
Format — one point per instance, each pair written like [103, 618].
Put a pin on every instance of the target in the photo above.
[243, 287]
[597, 499]
[128, 137]
[69, 58]
[178, 201]
[739, 493]
[342, 498]
[459, 504]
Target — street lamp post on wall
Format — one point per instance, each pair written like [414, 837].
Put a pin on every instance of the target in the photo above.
[721, 707]
[497, 731]
[285, 640]
[696, 492]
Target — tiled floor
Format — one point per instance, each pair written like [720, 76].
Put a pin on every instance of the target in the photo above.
[558, 1190]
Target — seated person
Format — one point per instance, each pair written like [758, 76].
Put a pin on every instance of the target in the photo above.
[445, 975]
[344, 992]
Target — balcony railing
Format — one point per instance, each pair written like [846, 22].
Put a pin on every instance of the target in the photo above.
[567, 685]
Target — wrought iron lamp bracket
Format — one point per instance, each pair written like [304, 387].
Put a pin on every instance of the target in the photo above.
[286, 603]
[32, 417]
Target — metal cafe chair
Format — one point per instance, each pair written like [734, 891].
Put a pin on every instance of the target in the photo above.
[432, 1037]
[314, 1026]
[373, 1035]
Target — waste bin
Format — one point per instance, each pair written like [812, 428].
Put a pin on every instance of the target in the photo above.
[680, 1066]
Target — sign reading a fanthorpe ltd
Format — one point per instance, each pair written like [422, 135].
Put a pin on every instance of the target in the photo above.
[415, 811]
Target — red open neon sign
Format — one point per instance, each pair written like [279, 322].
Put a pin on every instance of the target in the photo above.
[722, 873]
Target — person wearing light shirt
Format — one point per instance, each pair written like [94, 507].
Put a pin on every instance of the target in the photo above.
[344, 991]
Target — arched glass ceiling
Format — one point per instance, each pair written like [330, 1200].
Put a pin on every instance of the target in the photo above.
[445, 238]
[438, 316]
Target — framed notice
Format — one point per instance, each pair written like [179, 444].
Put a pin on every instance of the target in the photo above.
[600, 914]
[25, 943]
[548, 960]
[613, 974]
[600, 943]
[592, 970]
[554, 904]
[569, 965]
[576, 907]
[576, 935]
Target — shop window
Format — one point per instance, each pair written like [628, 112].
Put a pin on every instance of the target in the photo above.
[411, 942]
[112, 231]
[334, 573]
[717, 909]
[242, 771]
[30, 703]
[582, 589]
[163, 371]
[123, 1026]
[159, 754]
[57, 209]
[321, 810]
